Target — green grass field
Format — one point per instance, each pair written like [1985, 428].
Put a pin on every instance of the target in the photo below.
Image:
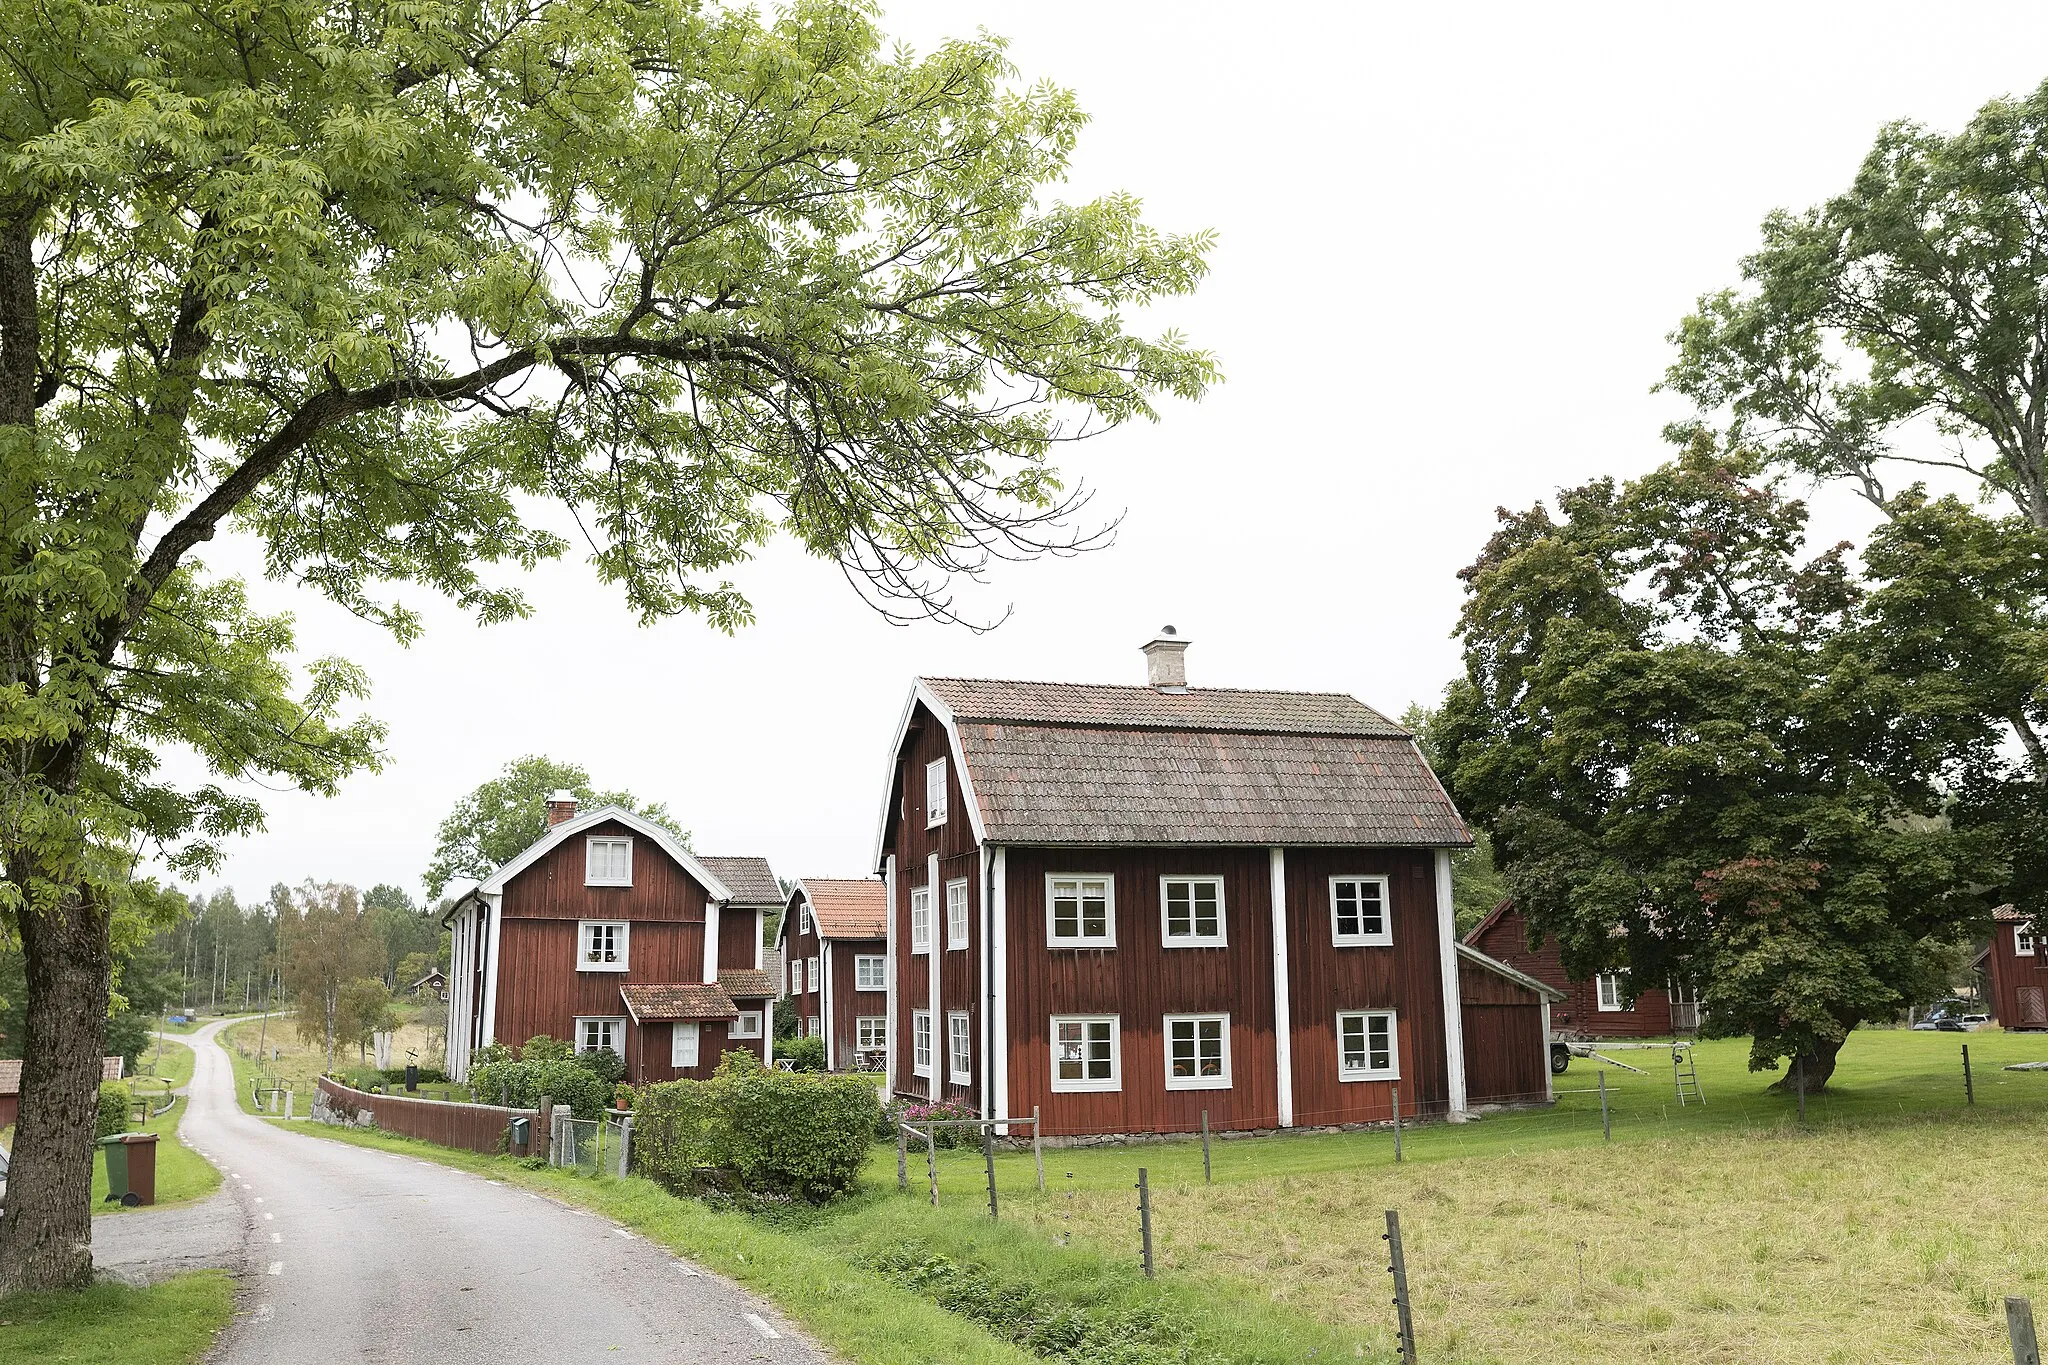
[181, 1173]
[171, 1323]
[251, 1043]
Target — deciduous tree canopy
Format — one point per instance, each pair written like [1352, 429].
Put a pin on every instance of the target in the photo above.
[493, 824]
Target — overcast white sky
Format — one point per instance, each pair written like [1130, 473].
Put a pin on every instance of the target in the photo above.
[1452, 240]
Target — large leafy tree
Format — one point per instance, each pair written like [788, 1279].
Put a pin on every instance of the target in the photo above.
[1704, 752]
[382, 284]
[493, 824]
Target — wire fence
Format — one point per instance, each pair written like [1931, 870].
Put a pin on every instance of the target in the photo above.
[594, 1146]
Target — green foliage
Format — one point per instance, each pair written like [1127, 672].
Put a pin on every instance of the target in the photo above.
[804, 1135]
[786, 1022]
[1476, 884]
[491, 1054]
[543, 1048]
[115, 1103]
[521, 1084]
[805, 1054]
[494, 824]
[608, 1066]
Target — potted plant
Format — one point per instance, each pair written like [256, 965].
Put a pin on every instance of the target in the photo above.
[622, 1097]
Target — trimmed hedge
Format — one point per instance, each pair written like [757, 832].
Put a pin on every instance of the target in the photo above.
[805, 1054]
[115, 1098]
[521, 1084]
[771, 1132]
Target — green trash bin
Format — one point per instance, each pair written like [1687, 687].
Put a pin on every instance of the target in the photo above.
[115, 1149]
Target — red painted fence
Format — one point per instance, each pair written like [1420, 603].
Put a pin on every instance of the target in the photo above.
[474, 1127]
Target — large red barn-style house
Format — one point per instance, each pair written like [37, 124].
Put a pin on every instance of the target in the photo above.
[832, 938]
[1124, 907]
[2017, 959]
[610, 933]
[1595, 1007]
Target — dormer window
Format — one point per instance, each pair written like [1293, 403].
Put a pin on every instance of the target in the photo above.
[935, 792]
[601, 945]
[608, 860]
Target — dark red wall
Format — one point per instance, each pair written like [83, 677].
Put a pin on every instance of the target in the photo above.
[1507, 940]
[2010, 975]
[959, 857]
[1507, 1054]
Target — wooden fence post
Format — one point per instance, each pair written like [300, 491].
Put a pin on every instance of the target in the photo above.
[1606, 1127]
[1145, 1221]
[1037, 1149]
[2019, 1327]
[1969, 1088]
[544, 1122]
[1206, 1180]
[1397, 1123]
[931, 1164]
[988, 1156]
[1397, 1266]
[902, 1160]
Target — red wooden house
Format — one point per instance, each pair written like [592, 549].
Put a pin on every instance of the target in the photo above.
[1126, 906]
[1602, 1006]
[2017, 961]
[609, 932]
[832, 938]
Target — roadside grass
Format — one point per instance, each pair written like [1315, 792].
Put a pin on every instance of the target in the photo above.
[167, 1060]
[172, 1323]
[182, 1175]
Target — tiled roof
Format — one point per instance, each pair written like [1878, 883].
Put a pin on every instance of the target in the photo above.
[2009, 914]
[855, 907]
[1146, 708]
[771, 963]
[746, 983]
[686, 1001]
[111, 1069]
[751, 880]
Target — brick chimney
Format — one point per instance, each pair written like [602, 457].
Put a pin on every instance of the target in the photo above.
[1165, 665]
[561, 806]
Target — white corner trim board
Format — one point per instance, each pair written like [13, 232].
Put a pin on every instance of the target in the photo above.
[1283, 1024]
[1454, 1013]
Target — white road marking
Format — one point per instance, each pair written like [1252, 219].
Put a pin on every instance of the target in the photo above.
[270, 1215]
[277, 1237]
[761, 1326]
[277, 1267]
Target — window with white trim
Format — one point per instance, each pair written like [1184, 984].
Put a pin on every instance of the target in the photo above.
[1080, 912]
[817, 976]
[803, 919]
[1191, 910]
[921, 1042]
[1608, 989]
[871, 1033]
[956, 914]
[935, 793]
[959, 1048]
[1197, 1052]
[682, 1045]
[2023, 940]
[602, 945]
[1085, 1052]
[607, 860]
[597, 1035]
[1358, 912]
[870, 972]
[811, 1026]
[1367, 1046]
[796, 977]
[748, 1025]
[920, 919]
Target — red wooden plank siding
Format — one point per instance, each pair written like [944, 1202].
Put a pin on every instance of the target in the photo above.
[553, 887]
[739, 937]
[471, 1127]
[2011, 975]
[1506, 1052]
[651, 1048]
[959, 858]
[802, 947]
[849, 1003]
[1506, 939]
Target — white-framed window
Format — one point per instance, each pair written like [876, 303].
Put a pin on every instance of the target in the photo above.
[1367, 1046]
[1609, 992]
[817, 976]
[920, 919]
[871, 1033]
[682, 1045]
[935, 793]
[2023, 940]
[1197, 1052]
[811, 1026]
[921, 1042]
[608, 860]
[1085, 1052]
[1080, 912]
[870, 972]
[1358, 912]
[1191, 912]
[748, 1025]
[959, 1048]
[796, 976]
[598, 1034]
[956, 914]
[803, 919]
[602, 944]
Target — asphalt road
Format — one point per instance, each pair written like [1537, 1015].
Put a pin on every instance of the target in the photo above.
[368, 1256]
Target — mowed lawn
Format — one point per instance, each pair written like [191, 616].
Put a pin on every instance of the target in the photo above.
[181, 1173]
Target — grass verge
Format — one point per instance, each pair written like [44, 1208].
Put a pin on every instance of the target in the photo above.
[172, 1323]
[182, 1175]
[251, 1044]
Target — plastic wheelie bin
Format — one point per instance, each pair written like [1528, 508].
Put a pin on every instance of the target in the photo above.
[131, 1168]
[116, 1153]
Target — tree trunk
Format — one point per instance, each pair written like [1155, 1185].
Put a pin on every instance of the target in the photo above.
[46, 1235]
[1810, 1068]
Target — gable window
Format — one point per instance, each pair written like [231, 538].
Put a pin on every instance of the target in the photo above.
[935, 793]
[748, 1025]
[607, 861]
[1611, 996]
[871, 1033]
[920, 919]
[599, 1035]
[803, 919]
[1080, 912]
[2023, 940]
[921, 1042]
[870, 972]
[682, 1045]
[1358, 912]
[602, 945]
[1193, 907]
[956, 914]
[1085, 1049]
[959, 1048]
[1197, 1052]
[1365, 1046]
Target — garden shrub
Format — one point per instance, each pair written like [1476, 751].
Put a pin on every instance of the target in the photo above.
[916, 1111]
[490, 1054]
[605, 1064]
[770, 1132]
[521, 1084]
[112, 1118]
[805, 1054]
[542, 1048]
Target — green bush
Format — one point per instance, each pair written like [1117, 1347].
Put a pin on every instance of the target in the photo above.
[605, 1064]
[805, 1054]
[490, 1054]
[769, 1132]
[542, 1048]
[521, 1084]
[113, 1109]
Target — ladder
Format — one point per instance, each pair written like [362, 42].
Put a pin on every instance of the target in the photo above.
[1685, 1079]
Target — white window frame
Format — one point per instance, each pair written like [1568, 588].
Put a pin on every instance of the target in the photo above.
[870, 972]
[935, 793]
[959, 1034]
[1197, 1081]
[1195, 939]
[810, 1026]
[747, 1025]
[618, 1043]
[2024, 940]
[871, 1032]
[590, 845]
[817, 976]
[956, 914]
[1606, 984]
[1115, 1079]
[1385, 937]
[921, 1043]
[684, 1045]
[1108, 936]
[920, 928]
[1392, 1070]
[803, 918]
[796, 976]
[622, 941]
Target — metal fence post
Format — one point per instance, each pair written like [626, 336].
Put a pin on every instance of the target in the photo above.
[1969, 1087]
[931, 1164]
[1397, 1266]
[988, 1156]
[1037, 1149]
[1606, 1127]
[1145, 1221]
[1397, 1123]
[1206, 1180]
[2019, 1327]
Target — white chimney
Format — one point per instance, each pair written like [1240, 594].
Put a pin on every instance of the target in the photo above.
[1165, 666]
[561, 806]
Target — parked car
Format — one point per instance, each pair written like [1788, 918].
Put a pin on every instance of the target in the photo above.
[1945, 1016]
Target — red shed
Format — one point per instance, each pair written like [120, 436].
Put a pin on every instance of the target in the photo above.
[1601, 1006]
[2018, 963]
